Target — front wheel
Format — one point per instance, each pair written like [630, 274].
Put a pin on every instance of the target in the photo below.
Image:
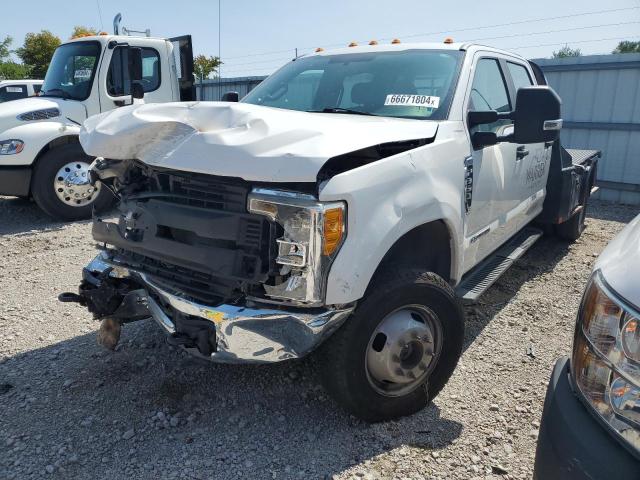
[398, 349]
[61, 184]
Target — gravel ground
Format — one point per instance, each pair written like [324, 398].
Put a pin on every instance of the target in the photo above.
[72, 410]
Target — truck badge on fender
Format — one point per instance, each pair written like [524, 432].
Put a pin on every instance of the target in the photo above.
[468, 183]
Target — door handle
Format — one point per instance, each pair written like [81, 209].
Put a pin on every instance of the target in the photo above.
[521, 152]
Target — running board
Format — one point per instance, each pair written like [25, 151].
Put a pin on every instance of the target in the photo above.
[478, 281]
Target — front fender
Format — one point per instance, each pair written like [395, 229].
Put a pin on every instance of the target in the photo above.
[36, 136]
[387, 199]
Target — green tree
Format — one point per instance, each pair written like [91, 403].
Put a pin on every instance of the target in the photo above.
[10, 70]
[82, 31]
[205, 66]
[567, 51]
[37, 51]
[627, 46]
[5, 48]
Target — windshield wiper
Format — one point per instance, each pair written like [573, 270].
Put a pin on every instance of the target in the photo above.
[64, 93]
[342, 110]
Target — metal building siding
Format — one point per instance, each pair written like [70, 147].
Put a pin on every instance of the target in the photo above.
[212, 90]
[601, 110]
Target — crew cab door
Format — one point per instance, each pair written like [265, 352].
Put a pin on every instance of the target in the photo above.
[183, 54]
[532, 159]
[491, 171]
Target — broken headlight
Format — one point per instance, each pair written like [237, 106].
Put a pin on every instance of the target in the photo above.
[606, 359]
[313, 234]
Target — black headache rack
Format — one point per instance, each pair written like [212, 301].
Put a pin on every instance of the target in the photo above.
[191, 233]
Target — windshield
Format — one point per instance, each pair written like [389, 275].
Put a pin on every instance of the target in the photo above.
[71, 71]
[409, 84]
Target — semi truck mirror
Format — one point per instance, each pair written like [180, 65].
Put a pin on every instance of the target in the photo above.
[231, 97]
[135, 64]
[137, 91]
[537, 115]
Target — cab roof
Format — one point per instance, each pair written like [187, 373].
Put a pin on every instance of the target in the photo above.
[398, 47]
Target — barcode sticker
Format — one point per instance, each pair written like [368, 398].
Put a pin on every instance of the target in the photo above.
[15, 89]
[412, 100]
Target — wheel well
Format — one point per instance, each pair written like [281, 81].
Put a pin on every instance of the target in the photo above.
[427, 247]
[56, 142]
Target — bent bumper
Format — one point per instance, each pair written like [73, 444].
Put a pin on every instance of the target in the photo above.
[572, 444]
[243, 333]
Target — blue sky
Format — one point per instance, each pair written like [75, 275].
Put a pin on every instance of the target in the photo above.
[274, 29]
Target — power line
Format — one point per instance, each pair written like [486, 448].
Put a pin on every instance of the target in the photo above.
[466, 29]
[553, 31]
[281, 59]
[567, 43]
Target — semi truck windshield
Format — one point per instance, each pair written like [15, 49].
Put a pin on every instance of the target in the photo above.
[71, 71]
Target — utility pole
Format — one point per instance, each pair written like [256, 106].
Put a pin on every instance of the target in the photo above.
[296, 52]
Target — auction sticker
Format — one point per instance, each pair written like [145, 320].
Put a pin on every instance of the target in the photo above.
[412, 100]
[14, 89]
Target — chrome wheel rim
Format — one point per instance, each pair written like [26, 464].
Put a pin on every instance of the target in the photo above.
[72, 185]
[403, 350]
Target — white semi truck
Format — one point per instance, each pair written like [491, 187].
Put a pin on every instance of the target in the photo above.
[348, 204]
[40, 156]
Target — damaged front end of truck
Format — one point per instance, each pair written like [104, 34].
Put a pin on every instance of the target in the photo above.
[232, 272]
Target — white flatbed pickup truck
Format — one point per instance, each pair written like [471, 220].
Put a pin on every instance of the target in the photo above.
[40, 156]
[348, 204]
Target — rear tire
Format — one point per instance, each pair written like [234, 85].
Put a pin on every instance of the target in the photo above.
[345, 364]
[48, 185]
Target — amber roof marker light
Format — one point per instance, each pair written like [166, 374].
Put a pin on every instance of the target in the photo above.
[353, 44]
[319, 49]
[373, 42]
[395, 41]
[448, 40]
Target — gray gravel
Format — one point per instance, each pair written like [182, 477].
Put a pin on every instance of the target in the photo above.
[69, 409]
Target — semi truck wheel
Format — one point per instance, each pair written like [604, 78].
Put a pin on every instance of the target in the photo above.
[397, 350]
[61, 185]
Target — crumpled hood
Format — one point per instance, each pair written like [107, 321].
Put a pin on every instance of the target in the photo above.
[239, 139]
[620, 261]
[9, 111]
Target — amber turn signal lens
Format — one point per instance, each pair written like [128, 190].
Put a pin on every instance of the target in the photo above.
[333, 230]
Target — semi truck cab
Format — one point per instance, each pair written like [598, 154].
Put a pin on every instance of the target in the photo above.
[40, 156]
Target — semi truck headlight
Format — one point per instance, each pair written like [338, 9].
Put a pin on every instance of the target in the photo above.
[606, 359]
[313, 232]
[11, 147]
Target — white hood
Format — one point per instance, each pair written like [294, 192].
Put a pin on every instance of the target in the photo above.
[239, 139]
[9, 111]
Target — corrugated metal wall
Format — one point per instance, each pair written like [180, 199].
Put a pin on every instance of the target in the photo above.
[214, 89]
[601, 110]
[600, 107]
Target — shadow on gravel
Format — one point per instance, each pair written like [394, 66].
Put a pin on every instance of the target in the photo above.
[73, 410]
[541, 258]
[19, 215]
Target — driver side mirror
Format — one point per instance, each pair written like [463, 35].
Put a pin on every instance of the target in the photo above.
[536, 119]
[537, 115]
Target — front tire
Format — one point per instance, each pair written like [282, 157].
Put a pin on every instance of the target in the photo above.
[61, 186]
[398, 349]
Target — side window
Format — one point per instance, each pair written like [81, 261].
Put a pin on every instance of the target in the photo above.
[519, 75]
[489, 92]
[150, 69]
[12, 92]
[118, 82]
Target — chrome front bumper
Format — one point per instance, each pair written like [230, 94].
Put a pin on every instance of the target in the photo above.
[256, 334]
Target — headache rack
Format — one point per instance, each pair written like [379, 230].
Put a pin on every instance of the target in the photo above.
[191, 233]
